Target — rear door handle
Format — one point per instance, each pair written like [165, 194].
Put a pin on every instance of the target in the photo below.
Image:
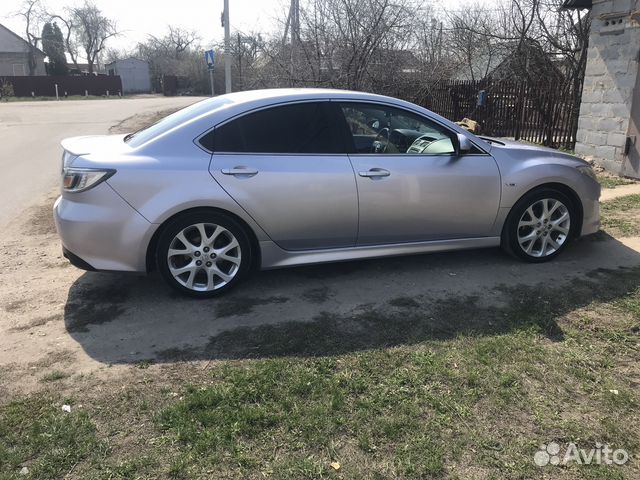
[375, 172]
[239, 171]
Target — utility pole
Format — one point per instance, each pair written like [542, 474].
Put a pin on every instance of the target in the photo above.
[240, 47]
[293, 23]
[227, 48]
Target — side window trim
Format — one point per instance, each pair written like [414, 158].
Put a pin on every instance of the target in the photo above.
[338, 101]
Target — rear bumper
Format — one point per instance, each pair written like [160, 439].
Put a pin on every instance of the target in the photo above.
[100, 231]
[76, 261]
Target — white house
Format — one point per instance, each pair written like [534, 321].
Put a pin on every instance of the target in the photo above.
[134, 74]
[14, 55]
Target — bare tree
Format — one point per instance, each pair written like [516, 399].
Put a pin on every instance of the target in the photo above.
[177, 52]
[470, 38]
[91, 30]
[32, 13]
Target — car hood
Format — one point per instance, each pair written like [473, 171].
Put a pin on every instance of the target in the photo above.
[524, 151]
[95, 144]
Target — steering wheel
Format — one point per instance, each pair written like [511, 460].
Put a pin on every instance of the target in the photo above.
[381, 142]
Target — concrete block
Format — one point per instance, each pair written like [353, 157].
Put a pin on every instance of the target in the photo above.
[621, 110]
[611, 125]
[617, 67]
[620, 5]
[585, 109]
[616, 140]
[611, 53]
[613, 166]
[600, 110]
[617, 95]
[586, 123]
[584, 149]
[592, 96]
[596, 138]
[606, 152]
[595, 67]
[626, 80]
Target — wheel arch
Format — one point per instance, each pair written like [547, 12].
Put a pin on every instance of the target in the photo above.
[150, 261]
[564, 189]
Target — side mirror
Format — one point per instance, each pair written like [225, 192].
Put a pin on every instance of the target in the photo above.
[464, 144]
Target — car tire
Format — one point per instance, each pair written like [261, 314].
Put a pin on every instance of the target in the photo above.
[536, 235]
[203, 254]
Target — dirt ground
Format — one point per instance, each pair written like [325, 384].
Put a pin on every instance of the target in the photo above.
[54, 317]
[122, 348]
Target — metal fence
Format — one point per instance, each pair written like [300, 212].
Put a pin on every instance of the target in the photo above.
[45, 86]
[536, 112]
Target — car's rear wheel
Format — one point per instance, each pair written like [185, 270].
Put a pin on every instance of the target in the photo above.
[203, 254]
[539, 226]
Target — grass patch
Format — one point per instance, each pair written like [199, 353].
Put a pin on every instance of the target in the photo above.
[621, 216]
[54, 376]
[612, 181]
[415, 398]
[419, 387]
[35, 433]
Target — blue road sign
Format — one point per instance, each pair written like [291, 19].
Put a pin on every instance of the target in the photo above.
[209, 58]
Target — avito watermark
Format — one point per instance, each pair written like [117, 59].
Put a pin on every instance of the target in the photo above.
[602, 454]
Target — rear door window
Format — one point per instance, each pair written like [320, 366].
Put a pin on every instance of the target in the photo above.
[290, 129]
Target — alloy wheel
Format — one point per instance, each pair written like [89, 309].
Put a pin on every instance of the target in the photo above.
[544, 227]
[204, 257]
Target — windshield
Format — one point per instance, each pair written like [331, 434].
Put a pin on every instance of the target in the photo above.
[175, 119]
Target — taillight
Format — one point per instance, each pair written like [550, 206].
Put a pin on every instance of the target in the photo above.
[81, 179]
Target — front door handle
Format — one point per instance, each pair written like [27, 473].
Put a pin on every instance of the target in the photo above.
[375, 172]
[239, 171]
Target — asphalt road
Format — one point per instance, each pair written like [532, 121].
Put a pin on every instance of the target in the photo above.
[30, 134]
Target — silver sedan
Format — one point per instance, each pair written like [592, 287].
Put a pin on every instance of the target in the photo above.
[275, 178]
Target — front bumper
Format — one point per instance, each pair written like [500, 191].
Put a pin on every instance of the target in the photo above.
[100, 231]
[591, 209]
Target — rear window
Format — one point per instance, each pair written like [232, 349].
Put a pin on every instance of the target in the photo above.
[175, 119]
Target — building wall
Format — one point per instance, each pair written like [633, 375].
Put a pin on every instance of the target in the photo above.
[14, 56]
[134, 73]
[14, 64]
[610, 84]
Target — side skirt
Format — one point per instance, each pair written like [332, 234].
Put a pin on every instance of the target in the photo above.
[275, 257]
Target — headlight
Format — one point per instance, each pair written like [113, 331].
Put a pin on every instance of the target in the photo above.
[81, 179]
[588, 171]
[67, 159]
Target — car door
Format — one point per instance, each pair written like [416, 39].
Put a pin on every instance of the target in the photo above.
[286, 166]
[411, 184]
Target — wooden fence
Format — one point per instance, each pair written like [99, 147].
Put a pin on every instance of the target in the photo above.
[535, 112]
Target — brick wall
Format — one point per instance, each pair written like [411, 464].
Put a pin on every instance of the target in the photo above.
[609, 84]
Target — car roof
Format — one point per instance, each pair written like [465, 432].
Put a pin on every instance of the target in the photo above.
[209, 113]
[268, 95]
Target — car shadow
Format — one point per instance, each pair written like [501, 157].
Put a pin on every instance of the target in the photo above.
[344, 307]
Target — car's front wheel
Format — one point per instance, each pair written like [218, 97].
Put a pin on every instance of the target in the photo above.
[203, 254]
[539, 226]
